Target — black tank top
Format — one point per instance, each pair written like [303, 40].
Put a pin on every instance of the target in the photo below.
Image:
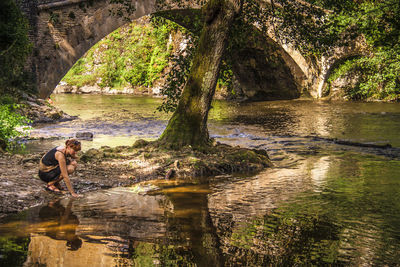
[50, 158]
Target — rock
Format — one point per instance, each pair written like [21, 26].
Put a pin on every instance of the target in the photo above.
[40, 111]
[87, 89]
[156, 90]
[32, 159]
[29, 164]
[339, 87]
[84, 135]
[92, 154]
[261, 152]
[32, 104]
[169, 174]
[140, 143]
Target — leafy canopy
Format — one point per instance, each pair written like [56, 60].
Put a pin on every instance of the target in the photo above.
[14, 47]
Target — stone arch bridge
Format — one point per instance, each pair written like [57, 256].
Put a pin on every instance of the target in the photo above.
[63, 30]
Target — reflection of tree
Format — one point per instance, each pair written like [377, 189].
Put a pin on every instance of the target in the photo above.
[284, 239]
[366, 204]
[63, 223]
[190, 232]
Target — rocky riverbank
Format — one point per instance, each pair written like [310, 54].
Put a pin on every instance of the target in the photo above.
[64, 88]
[21, 188]
[41, 111]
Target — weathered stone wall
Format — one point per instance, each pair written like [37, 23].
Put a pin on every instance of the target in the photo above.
[262, 73]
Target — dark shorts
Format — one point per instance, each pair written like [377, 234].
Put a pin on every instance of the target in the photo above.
[51, 175]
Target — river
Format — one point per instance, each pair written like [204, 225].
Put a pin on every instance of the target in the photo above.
[324, 203]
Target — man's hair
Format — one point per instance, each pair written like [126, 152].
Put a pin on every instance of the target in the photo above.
[74, 143]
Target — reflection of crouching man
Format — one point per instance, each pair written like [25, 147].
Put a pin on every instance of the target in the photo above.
[55, 166]
[66, 223]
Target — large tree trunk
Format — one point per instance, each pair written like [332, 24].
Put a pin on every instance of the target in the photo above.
[188, 124]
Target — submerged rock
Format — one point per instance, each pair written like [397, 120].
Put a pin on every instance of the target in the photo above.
[84, 135]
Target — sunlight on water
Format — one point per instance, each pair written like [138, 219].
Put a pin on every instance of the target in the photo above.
[322, 204]
[120, 120]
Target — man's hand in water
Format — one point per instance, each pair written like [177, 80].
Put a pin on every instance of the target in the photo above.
[75, 195]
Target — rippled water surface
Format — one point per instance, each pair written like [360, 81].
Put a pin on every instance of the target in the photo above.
[120, 120]
[322, 204]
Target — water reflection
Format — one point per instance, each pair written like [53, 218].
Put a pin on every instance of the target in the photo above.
[339, 216]
[362, 122]
[122, 227]
[60, 223]
[339, 209]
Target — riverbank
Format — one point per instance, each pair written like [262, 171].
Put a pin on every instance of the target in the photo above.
[21, 188]
[41, 111]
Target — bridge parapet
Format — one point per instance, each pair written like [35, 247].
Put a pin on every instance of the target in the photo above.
[53, 4]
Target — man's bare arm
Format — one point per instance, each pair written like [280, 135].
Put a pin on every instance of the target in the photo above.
[64, 172]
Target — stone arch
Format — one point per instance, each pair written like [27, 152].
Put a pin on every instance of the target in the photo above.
[66, 30]
[62, 31]
[356, 48]
[303, 69]
[265, 71]
[325, 91]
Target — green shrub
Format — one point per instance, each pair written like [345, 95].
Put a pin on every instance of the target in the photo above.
[12, 125]
[378, 76]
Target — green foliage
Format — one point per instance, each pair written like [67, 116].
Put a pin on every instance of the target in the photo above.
[315, 29]
[136, 56]
[12, 124]
[14, 251]
[54, 18]
[225, 76]
[177, 77]
[378, 76]
[14, 47]
[77, 75]
[379, 23]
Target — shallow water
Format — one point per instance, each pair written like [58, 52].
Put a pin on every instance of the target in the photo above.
[121, 120]
[322, 203]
